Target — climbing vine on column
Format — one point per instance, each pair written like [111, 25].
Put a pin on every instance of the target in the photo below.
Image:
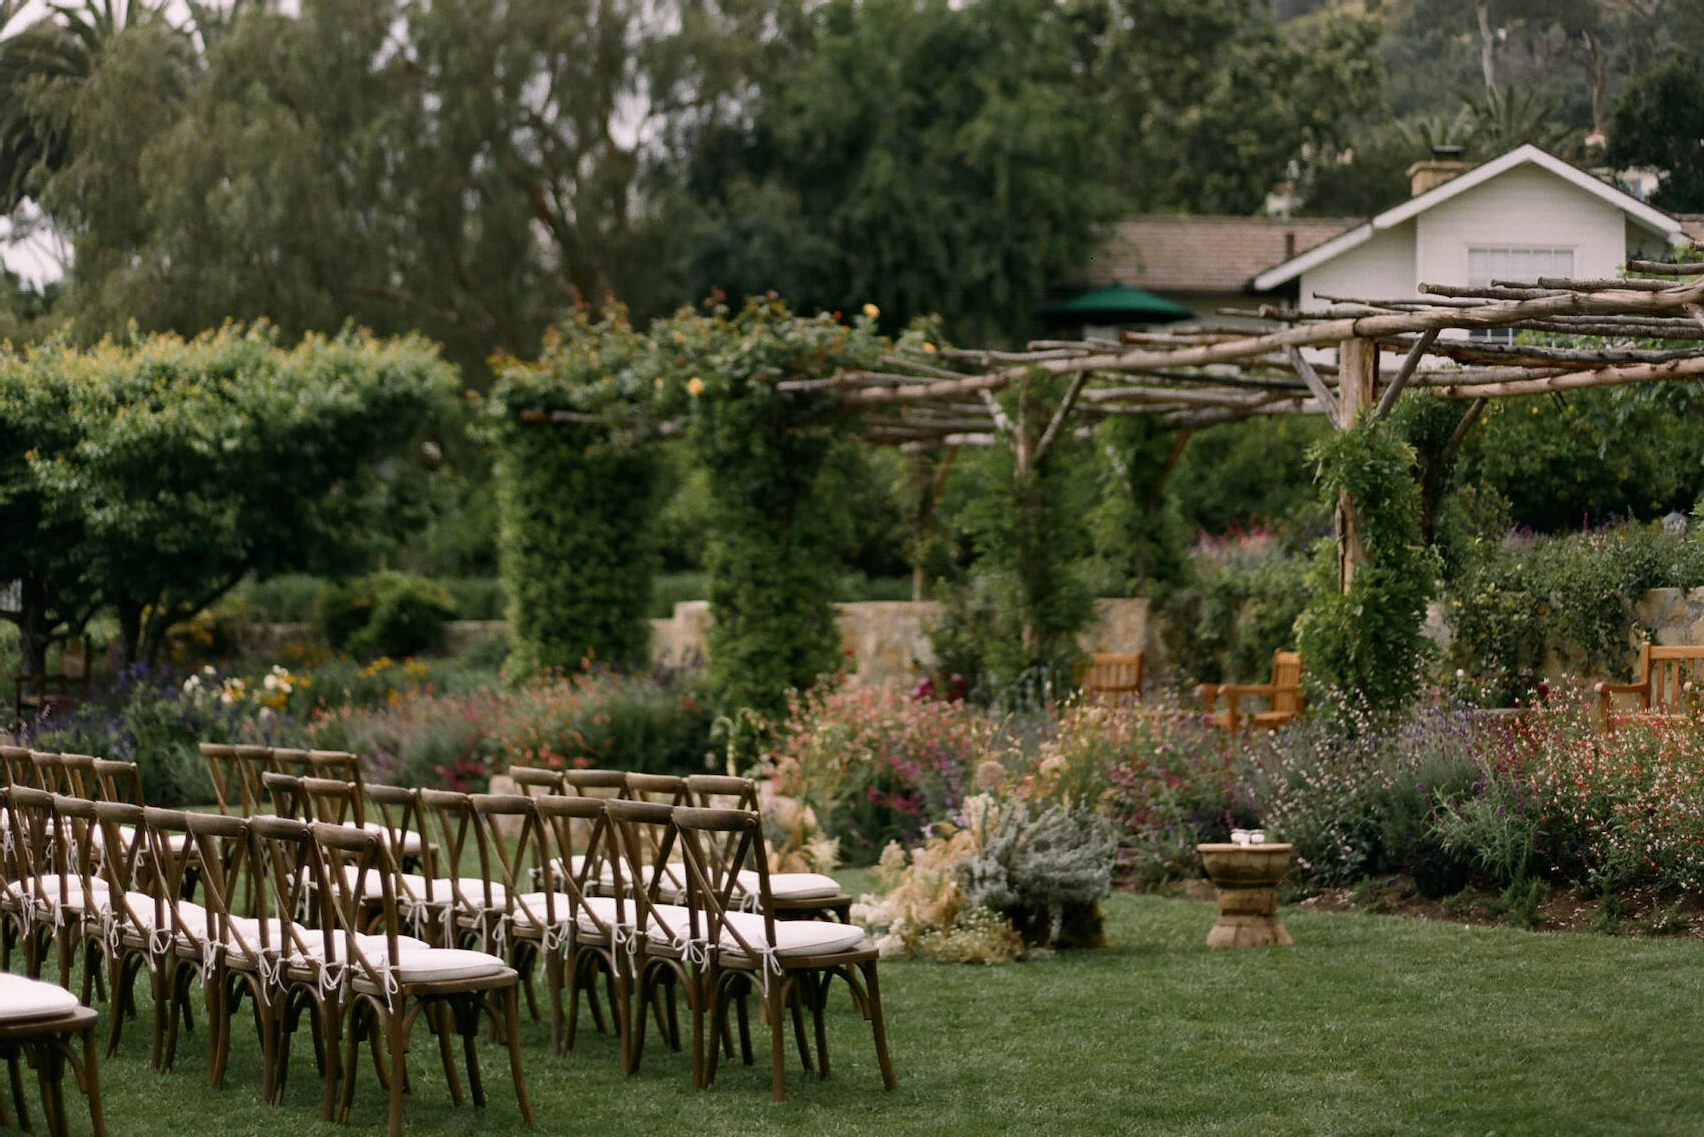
[1365, 639]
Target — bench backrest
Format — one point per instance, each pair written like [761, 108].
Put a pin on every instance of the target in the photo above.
[1114, 678]
[1668, 670]
[1286, 681]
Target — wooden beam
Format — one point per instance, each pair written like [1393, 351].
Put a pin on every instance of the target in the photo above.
[1576, 380]
[1664, 268]
[1357, 375]
[1610, 303]
[1405, 373]
[1317, 385]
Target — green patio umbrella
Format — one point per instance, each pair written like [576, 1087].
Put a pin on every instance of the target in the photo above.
[1115, 304]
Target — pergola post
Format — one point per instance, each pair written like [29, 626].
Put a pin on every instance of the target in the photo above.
[1357, 378]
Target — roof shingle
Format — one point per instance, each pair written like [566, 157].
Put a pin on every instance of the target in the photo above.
[1169, 253]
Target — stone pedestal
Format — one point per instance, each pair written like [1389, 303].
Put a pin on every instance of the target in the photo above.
[1247, 877]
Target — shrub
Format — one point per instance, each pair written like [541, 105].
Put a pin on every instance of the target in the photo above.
[578, 499]
[386, 614]
[875, 765]
[1238, 606]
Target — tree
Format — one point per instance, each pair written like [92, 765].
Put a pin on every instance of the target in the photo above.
[174, 469]
[1658, 122]
[923, 156]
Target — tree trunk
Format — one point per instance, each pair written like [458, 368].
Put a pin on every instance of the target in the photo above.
[1357, 376]
[1598, 63]
[35, 631]
[1487, 64]
[129, 629]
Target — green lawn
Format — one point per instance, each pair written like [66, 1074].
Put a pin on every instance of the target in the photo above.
[1369, 1025]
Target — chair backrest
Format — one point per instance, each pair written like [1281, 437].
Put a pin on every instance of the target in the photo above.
[119, 781]
[645, 837]
[575, 840]
[136, 893]
[49, 774]
[285, 792]
[711, 900]
[536, 781]
[293, 887]
[228, 885]
[331, 801]
[360, 858]
[32, 832]
[75, 839]
[235, 784]
[720, 791]
[1286, 681]
[397, 810]
[171, 856]
[16, 768]
[519, 861]
[338, 764]
[459, 831]
[1670, 670]
[1115, 679]
[296, 763]
[595, 783]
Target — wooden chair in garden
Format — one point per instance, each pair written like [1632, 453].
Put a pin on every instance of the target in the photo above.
[390, 985]
[1669, 681]
[139, 925]
[515, 866]
[16, 767]
[576, 843]
[236, 785]
[790, 963]
[797, 895]
[57, 692]
[38, 1022]
[1283, 697]
[119, 781]
[1114, 680]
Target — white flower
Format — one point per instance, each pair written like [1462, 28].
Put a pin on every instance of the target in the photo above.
[270, 682]
[193, 683]
[1460, 673]
[266, 712]
[207, 669]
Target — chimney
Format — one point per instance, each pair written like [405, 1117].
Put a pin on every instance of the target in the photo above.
[1289, 245]
[1446, 163]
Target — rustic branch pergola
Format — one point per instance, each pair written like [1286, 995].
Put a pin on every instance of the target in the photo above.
[1600, 332]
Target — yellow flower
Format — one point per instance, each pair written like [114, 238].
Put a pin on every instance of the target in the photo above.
[929, 349]
[695, 386]
[872, 311]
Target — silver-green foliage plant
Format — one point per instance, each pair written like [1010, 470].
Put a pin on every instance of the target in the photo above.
[1037, 869]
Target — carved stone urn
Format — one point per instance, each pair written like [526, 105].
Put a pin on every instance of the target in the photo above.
[1247, 877]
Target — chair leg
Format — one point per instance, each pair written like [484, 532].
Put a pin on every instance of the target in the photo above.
[876, 1024]
[442, 1024]
[553, 980]
[394, 1023]
[14, 1069]
[773, 1000]
[797, 1002]
[92, 1082]
[819, 1004]
[511, 1029]
[466, 1010]
[331, 1067]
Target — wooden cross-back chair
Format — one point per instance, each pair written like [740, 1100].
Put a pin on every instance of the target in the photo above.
[477, 899]
[284, 793]
[518, 869]
[797, 895]
[575, 841]
[232, 970]
[395, 812]
[390, 984]
[790, 963]
[1283, 697]
[1668, 681]
[38, 1023]
[186, 937]
[1114, 680]
[72, 774]
[661, 965]
[75, 899]
[138, 927]
[667, 790]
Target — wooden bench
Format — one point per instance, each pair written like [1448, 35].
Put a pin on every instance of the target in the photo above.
[1283, 697]
[36, 694]
[1115, 680]
[1661, 682]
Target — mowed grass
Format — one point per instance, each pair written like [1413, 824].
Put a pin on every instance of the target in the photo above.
[1368, 1025]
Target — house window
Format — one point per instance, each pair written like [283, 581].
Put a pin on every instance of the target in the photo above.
[1486, 264]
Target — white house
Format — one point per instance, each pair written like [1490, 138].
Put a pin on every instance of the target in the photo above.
[1523, 215]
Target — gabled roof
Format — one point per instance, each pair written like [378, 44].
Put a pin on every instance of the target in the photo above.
[1175, 253]
[1654, 219]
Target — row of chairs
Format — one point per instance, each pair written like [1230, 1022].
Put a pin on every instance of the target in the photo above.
[586, 871]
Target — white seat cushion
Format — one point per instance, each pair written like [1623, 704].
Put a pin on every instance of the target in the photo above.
[533, 909]
[26, 1000]
[792, 885]
[793, 937]
[48, 887]
[444, 965]
[444, 889]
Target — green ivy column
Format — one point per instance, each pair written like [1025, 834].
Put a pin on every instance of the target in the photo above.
[577, 546]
